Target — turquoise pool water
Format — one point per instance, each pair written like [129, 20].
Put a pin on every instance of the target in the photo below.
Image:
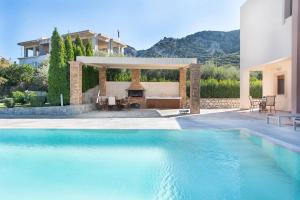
[159, 165]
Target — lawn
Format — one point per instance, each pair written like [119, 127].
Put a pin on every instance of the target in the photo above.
[17, 105]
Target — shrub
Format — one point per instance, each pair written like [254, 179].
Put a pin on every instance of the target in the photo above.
[19, 97]
[9, 102]
[256, 88]
[212, 88]
[28, 94]
[37, 101]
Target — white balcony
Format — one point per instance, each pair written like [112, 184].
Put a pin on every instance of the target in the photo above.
[33, 60]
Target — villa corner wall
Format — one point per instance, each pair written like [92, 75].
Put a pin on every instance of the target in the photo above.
[265, 35]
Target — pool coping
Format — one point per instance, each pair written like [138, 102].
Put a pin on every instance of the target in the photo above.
[275, 141]
[281, 143]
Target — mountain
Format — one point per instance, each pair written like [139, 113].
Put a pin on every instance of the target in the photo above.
[221, 47]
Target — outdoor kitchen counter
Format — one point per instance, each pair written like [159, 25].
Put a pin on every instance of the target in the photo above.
[163, 102]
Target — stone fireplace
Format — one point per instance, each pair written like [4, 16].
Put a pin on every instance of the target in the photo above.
[136, 97]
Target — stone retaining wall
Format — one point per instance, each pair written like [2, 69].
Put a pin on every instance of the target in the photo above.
[90, 96]
[48, 111]
[219, 103]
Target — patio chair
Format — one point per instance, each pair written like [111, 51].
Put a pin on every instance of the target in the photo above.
[262, 105]
[270, 101]
[122, 103]
[101, 102]
[112, 103]
[253, 103]
[296, 122]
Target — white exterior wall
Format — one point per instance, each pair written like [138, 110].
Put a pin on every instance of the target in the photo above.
[265, 35]
[266, 45]
[270, 74]
[152, 89]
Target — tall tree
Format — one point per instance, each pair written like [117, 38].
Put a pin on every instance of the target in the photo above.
[57, 78]
[79, 47]
[89, 48]
[69, 48]
[91, 74]
[69, 57]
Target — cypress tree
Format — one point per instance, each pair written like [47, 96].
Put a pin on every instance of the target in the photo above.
[79, 50]
[69, 48]
[89, 49]
[91, 72]
[69, 57]
[57, 77]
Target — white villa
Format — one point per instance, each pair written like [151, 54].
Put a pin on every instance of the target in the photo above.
[36, 51]
[270, 44]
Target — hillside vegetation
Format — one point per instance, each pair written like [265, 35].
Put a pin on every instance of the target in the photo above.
[223, 48]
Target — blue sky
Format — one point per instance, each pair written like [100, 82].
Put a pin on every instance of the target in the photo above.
[141, 22]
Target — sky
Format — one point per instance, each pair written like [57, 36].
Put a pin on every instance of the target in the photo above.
[142, 23]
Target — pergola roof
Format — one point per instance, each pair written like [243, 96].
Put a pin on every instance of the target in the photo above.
[137, 63]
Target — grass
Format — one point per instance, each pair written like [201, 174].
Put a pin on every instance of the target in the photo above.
[17, 105]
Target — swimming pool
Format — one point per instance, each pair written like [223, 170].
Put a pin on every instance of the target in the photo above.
[135, 164]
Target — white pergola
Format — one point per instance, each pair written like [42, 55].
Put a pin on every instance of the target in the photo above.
[136, 64]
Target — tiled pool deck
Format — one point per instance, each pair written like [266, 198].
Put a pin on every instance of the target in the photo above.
[209, 119]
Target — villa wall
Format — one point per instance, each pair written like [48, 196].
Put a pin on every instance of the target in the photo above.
[270, 74]
[266, 35]
[266, 42]
[152, 89]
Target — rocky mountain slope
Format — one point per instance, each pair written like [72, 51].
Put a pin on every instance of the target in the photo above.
[221, 47]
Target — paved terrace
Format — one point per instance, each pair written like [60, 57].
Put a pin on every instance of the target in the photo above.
[209, 119]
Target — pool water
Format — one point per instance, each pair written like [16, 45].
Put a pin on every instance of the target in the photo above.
[134, 164]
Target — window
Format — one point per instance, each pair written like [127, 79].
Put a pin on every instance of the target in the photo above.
[288, 8]
[280, 85]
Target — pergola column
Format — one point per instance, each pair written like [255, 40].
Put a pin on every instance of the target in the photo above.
[102, 81]
[75, 83]
[195, 76]
[296, 58]
[182, 86]
[244, 88]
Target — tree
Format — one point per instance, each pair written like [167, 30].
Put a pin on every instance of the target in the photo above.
[57, 77]
[90, 74]
[69, 48]
[89, 49]
[79, 47]
[69, 57]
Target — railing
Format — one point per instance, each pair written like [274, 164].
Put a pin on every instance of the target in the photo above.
[33, 60]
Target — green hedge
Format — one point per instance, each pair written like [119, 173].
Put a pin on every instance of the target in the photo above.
[90, 78]
[256, 88]
[212, 88]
